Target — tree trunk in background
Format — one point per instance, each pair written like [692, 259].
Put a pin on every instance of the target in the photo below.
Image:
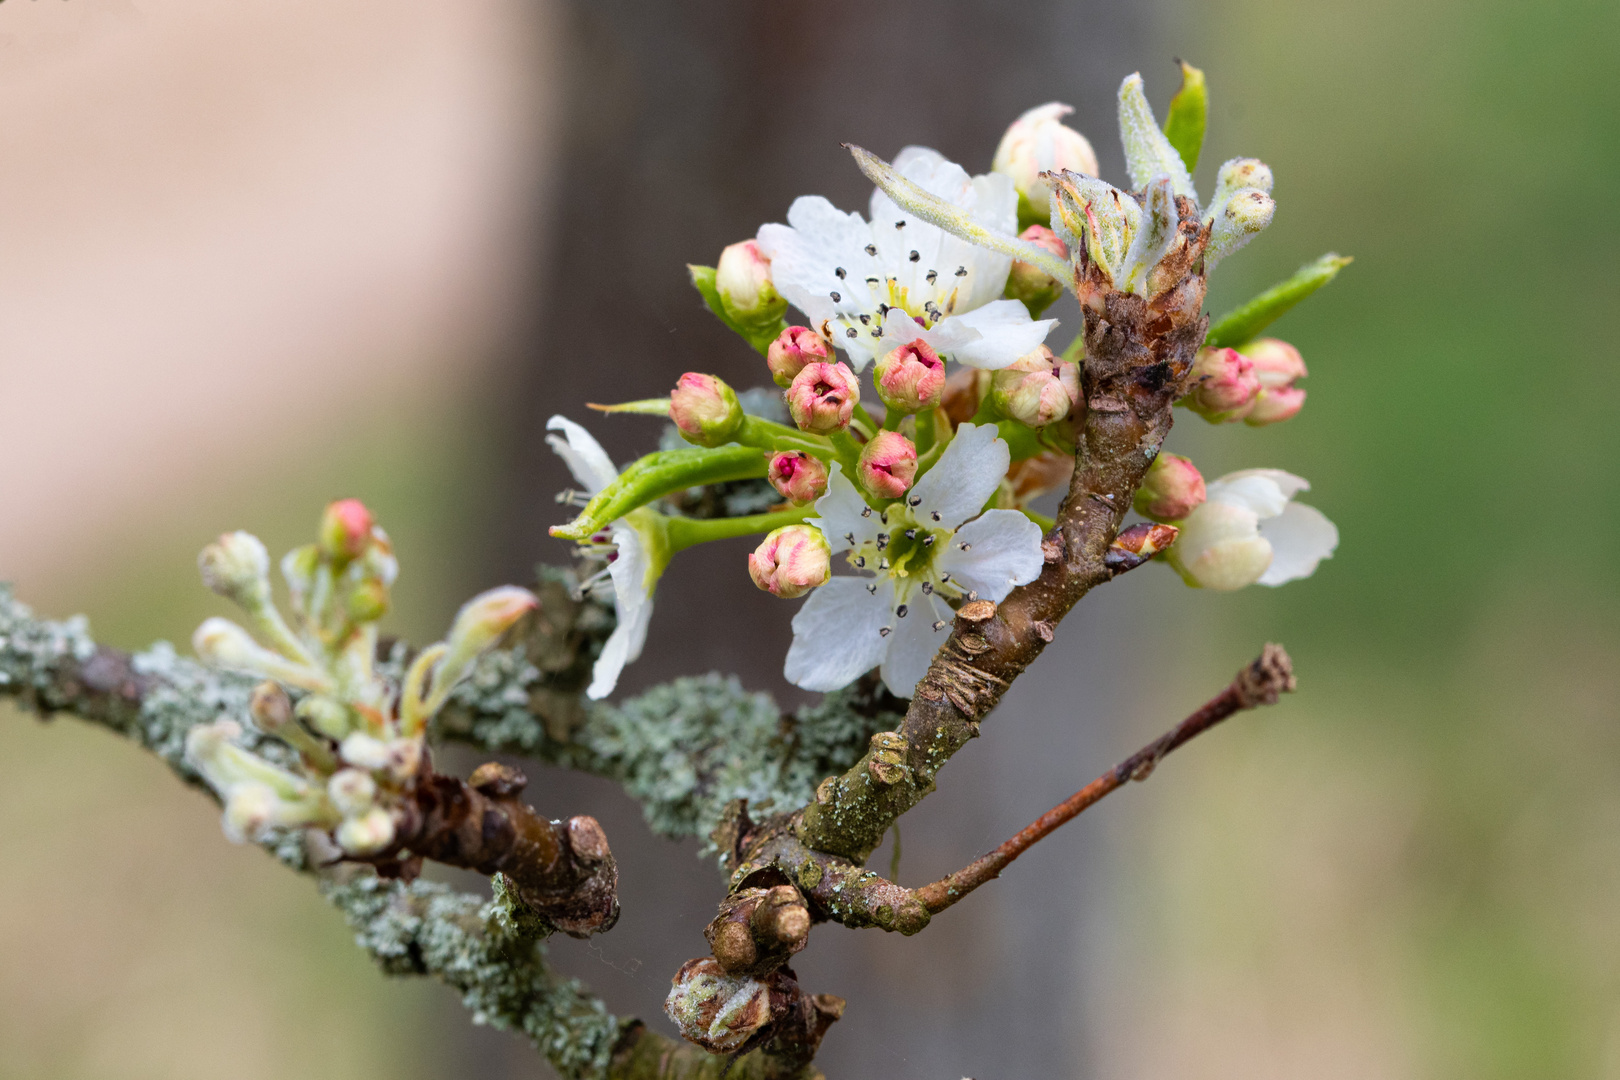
[689, 124]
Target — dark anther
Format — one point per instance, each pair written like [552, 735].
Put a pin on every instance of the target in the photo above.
[840, 272]
[885, 631]
[899, 224]
[934, 515]
[871, 249]
[911, 534]
[835, 297]
[850, 332]
[915, 256]
[961, 271]
[901, 611]
[928, 588]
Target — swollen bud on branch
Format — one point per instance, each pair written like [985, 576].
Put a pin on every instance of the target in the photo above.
[792, 350]
[478, 626]
[887, 465]
[1038, 142]
[799, 477]
[1172, 487]
[791, 561]
[705, 410]
[1223, 385]
[1029, 283]
[346, 531]
[237, 566]
[1037, 389]
[743, 280]
[1277, 365]
[822, 398]
[910, 378]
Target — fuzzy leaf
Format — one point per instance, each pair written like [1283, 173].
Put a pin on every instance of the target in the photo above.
[1147, 152]
[1241, 325]
[656, 475]
[1189, 111]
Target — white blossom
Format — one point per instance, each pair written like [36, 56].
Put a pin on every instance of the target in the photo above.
[1249, 530]
[922, 552]
[872, 286]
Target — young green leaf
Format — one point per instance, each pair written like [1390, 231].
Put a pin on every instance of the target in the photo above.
[1189, 111]
[656, 475]
[1241, 325]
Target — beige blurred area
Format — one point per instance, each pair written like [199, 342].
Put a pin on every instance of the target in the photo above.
[252, 256]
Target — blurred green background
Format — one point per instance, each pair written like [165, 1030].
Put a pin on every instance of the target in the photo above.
[1411, 869]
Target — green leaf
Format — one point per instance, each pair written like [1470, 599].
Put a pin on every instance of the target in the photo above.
[1241, 325]
[656, 475]
[1189, 111]
[759, 337]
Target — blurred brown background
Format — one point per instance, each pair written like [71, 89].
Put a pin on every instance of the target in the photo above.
[256, 257]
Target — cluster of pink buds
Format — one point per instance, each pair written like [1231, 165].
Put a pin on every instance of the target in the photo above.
[1255, 385]
[792, 350]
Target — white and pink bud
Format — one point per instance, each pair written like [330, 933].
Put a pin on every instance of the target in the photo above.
[799, 477]
[791, 561]
[910, 378]
[1172, 487]
[1037, 389]
[1224, 385]
[888, 465]
[705, 409]
[1276, 364]
[369, 834]
[822, 397]
[346, 530]
[1028, 282]
[743, 280]
[237, 566]
[792, 350]
[1040, 142]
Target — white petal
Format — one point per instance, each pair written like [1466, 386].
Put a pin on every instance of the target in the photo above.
[844, 514]
[964, 477]
[582, 454]
[1265, 491]
[605, 673]
[632, 603]
[835, 633]
[1003, 551]
[1220, 546]
[1006, 332]
[915, 641]
[1301, 536]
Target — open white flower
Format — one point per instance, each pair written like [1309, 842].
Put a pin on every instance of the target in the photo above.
[873, 286]
[633, 566]
[921, 555]
[1249, 530]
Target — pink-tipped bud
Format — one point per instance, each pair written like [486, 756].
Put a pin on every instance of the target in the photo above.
[1224, 385]
[705, 409]
[346, 530]
[791, 561]
[910, 378]
[1275, 406]
[799, 477]
[822, 397]
[1172, 487]
[888, 465]
[743, 280]
[1039, 142]
[1036, 389]
[792, 350]
[1028, 282]
[1276, 364]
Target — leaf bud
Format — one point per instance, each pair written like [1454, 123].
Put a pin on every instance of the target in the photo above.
[1172, 487]
[1240, 174]
[345, 530]
[1028, 282]
[822, 397]
[888, 465]
[705, 409]
[1235, 223]
[1038, 142]
[791, 561]
[1223, 385]
[717, 1011]
[799, 477]
[1137, 544]
[743, 280]
[910, 378]
[1037, 389]
[369, 834]
[792, 350]
[237, 567]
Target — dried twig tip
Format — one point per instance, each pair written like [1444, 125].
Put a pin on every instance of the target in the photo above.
[1266, 679]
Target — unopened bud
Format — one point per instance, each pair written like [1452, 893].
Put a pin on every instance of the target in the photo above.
[718, 1011]
[1172, 487]
[791, 561]
[799, 477]
[822, 397]
[326, 716]
[1028, 282]
[705, 409]
[223, 644]
[367, 602]
[1239, 174]
[1275, 406]
[1037, 389]
[743, 279]
[792, 350]
[366, 752]
[345, 530]
[1038, 142]
[479, 625]
[237, 567]
[270, 707]
[251, 810]
[1223, 384]
[910, 378]
[369, 834]
[1236, 222]
[352, 791]
[1137, 544]
[888, 465]
[1276, 364]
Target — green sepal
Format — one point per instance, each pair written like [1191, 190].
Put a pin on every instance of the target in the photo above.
[1189, 113]
[656, 475]
[759, 336]
[658, 406]
[1242, 324]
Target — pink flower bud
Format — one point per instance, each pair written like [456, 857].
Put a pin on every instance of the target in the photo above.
[1036, 389]
[705, 409]
[1276, 364]
[1028, 282]
[1275, 406]
[345, 530]
[888, 464]
[1224, 385]
[791, 561]
[910, 378]
[1038, 142]
[743, 279]
[799, 477]
[1172, 487]
[792, 350]
[822, 397]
